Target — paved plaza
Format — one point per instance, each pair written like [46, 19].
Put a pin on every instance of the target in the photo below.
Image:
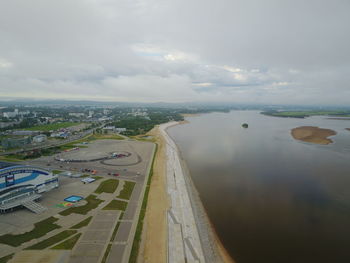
[98, 234]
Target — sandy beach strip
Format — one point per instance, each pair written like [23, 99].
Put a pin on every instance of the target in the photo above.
[313, 134]
[154, 236]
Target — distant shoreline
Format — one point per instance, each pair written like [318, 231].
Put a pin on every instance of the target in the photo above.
[190, 114]
[313, 134]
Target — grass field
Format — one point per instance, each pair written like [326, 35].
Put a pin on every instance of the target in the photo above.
[9, 159]
[115, 231]
[116, 205]
[127, 190]
[106, 253]
[40, 229]
[92, 203]
[105, 136]
[7, 258]
[107, 186]
[83, 223]
[53, 240]
[53, 126]
[69, 243]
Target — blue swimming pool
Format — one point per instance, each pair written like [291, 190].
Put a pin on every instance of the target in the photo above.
[73, 198]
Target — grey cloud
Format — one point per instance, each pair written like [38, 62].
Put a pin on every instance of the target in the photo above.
[162, 50]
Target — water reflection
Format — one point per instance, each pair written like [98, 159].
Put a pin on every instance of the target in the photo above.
[271, 198]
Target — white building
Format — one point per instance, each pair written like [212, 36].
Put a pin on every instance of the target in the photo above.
[120, 130]
[77, 114]
[24, 113]
[39, 138]
[10, 114]
[20, 185]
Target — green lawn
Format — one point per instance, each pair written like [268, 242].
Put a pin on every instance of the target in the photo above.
[56, 171]
[115, 232]
[7, 258]
[69, 243]
[40, 229]
[107, 186]
[116, 205]
[53, 126]
[127, 190]
[9, 158]
[83, 223]
[121, 215]
[53, 240]
[106, 253]
[105, 136]
[92, 203]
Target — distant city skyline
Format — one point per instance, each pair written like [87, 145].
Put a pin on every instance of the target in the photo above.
[265, 52]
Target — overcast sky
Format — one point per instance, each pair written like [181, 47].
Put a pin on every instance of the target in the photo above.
[271, 51]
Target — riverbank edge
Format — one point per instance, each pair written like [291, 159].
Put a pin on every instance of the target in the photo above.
[213, 248]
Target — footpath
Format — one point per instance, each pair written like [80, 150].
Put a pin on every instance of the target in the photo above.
[184, 244]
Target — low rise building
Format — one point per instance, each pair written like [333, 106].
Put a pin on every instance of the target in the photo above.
[120, 130]
[25, 133]
[21, 185]
[77, 114]
[9, 143]
[60, 134]
[10, 114]
[39, 138]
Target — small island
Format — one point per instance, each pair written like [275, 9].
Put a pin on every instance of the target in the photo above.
[245, 125]
[313, 134]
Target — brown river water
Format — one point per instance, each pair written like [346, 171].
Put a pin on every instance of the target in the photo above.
[271, 198]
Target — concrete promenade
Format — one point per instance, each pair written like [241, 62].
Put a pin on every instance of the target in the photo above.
[184, 244]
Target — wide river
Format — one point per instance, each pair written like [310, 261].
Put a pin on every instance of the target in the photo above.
[271, 198]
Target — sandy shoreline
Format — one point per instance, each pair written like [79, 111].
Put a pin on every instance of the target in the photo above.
[154, 244]
[154, 236]
[190, 114]
[313, 134]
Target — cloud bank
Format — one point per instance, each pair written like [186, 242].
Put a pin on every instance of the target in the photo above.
[176, 51]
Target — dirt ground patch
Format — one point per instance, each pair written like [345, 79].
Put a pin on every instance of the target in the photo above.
[45, 256]
[154, 237]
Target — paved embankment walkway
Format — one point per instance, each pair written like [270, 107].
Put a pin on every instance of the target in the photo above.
[184, 244]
